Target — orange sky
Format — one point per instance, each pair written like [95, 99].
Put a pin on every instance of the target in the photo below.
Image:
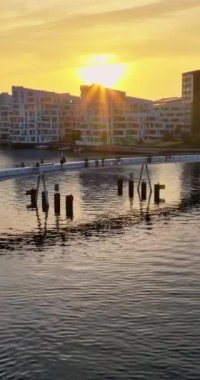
[43, 43]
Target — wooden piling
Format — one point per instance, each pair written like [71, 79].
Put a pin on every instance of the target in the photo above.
[130, 188]
[157, 193]
[69, 206]
[33, 198]
[56, 187]
[157, 188]
[45, 204]
[143, 191]
[33, 194]
[120, 186]
[57, 203]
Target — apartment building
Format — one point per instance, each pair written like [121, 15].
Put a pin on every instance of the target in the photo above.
[154, 121]
[102, 115]
[41, 117]
[5, 114]
[169, 118]
[191, 98]
[108, 116]
[69, 118]
[136, 113]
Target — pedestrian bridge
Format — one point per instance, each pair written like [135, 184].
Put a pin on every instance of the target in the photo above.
[100, 164]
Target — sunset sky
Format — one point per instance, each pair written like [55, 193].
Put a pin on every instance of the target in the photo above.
[48, 44]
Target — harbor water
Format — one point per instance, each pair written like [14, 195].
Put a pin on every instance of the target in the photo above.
[112, 293]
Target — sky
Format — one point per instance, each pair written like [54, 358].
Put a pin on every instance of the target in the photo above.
[46, 44]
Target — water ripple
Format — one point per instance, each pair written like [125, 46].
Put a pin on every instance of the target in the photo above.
[113, 294]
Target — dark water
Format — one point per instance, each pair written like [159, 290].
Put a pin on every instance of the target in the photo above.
[111, 294]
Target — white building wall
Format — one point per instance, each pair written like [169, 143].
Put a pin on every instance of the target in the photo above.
[166, 116]
[40, 117]
[111, 112]
[5, 113]
[102, 118]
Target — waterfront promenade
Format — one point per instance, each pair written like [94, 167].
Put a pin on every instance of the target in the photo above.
[100, 164]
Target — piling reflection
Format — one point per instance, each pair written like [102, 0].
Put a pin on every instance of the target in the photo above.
[145, 207]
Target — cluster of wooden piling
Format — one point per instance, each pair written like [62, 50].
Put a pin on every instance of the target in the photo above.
[142, 189]
[68, 203]
[57, 201]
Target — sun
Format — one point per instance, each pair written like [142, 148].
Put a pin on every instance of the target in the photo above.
[102, 70]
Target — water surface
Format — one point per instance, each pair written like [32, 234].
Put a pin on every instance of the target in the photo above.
[111, 294]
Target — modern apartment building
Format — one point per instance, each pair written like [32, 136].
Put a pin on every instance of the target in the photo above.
[5, 114]
[102, 115]
[191, 98]
[137, 110]
[110, 117]
[69, 118]
[41, 117]
[157, 120]
[171, 117]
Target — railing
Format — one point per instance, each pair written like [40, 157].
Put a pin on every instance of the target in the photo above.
[92, 164]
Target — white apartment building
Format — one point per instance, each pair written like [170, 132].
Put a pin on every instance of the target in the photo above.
[69, 117]
[136, 113]
[152, 121]
[108, 116]
[5, 114]
[102, 115]
[41, 117]
[165, 117]
[134, 127]
[191, 98]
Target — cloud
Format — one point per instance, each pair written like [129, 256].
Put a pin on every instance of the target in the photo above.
[144, 12]
[52, 17]
[116, 32]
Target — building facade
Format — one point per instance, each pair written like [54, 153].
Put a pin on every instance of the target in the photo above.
[5, 116]
[41, 117]
[102, 115]
[108, 116]
[99, 116]
[191, 98]
[155, 121]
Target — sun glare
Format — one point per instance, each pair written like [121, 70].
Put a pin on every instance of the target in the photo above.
[102, 70]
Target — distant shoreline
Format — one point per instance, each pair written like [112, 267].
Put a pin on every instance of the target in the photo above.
[115, 150]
